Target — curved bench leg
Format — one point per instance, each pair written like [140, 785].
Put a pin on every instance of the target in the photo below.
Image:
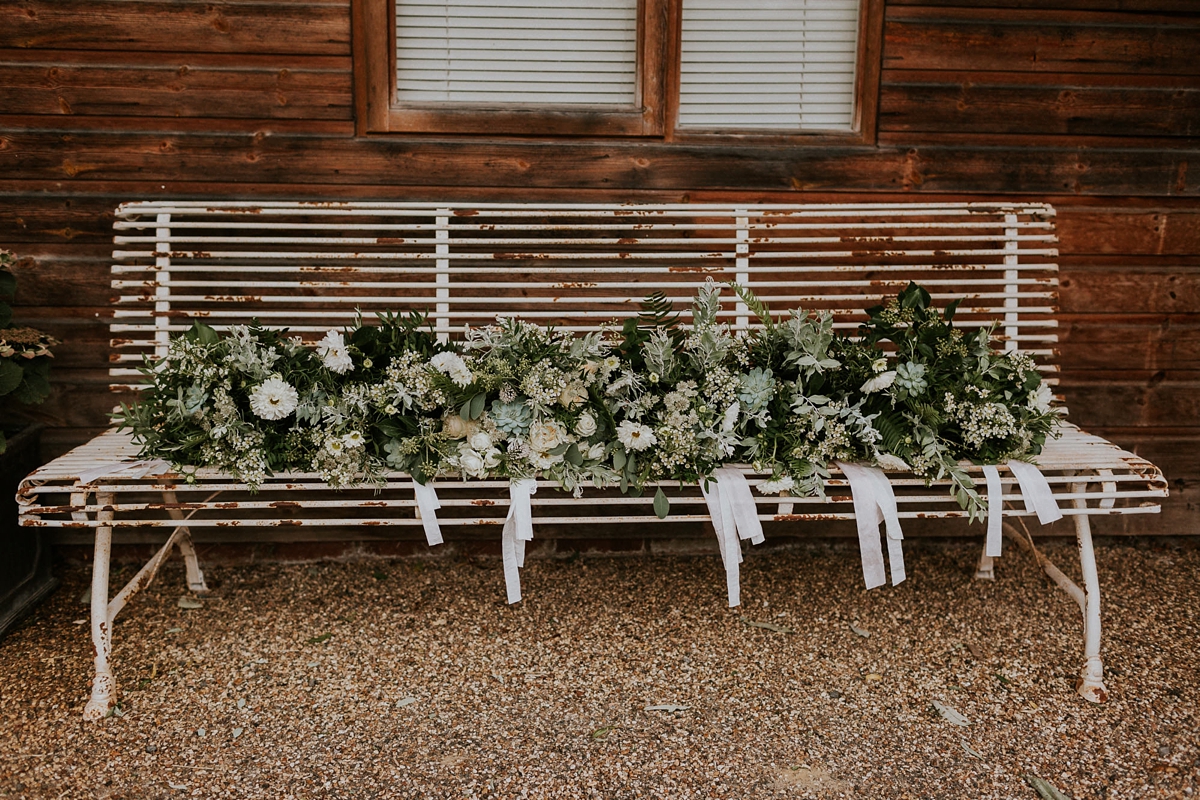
[104, 685]
[986, 571]
[1090, 684]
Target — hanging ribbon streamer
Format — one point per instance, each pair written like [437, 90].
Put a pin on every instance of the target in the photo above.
[995, 513]
[734, 517]
[874, 502]
[126, 469]
[427, 506]
[1036, 492]
[518, 529]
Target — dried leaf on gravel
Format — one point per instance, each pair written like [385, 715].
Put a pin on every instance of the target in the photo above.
[602, 733]
[408, 701]
[187, 601]
[970, 750]
[324, 637]
[236, 732]
[951, 715]
[667, 707]
[767, 625]
[866, 634]
[1045, 789]
[174, 630]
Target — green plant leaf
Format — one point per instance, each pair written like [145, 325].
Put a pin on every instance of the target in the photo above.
[573, 456]
[662, 506]
[11, 376]
[477, 405]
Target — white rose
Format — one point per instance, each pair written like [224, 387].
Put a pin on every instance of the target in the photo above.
[586, 425]
[491, 458]
[636, 436]
[595, 452]
[546, 435]
[879, 382]
[456, 427]
[1040, 400]
[480, 441]
[572, 395]
[471, 463]
[544, 460]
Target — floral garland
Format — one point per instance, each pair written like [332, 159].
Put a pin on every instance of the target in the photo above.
[654, 401]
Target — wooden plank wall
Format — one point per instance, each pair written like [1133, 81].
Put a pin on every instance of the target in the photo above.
[1091, 104]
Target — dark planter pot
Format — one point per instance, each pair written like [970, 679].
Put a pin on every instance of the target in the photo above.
[25, 578]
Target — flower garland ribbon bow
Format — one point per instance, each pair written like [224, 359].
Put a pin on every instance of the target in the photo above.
[735, 517]
[518, 529]
[874, 502]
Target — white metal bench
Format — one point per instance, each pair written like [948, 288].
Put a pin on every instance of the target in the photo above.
[312, 266]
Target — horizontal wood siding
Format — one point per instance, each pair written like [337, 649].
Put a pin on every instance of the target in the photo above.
[1093, 105]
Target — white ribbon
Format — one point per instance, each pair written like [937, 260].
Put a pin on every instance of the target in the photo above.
[874, 502]
[1036, 492]
[995, 512]
[734, 516]
[127, 469]
[427, 506]
[518, 529]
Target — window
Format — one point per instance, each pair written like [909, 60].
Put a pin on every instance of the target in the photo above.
[669, 68]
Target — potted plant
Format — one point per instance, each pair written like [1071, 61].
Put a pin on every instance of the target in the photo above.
[25, 356]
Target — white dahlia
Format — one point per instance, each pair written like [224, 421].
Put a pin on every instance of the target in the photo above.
[274, 398]
[636, 436]
[333, 353]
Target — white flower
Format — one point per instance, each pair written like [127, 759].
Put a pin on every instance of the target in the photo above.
[333, 353]
[480, 441]
[635, 436]
[595, 452]
[456, 427]
[547, 435]
[731, 415]
[544, 460]
[353, 439]
[889, 461]
[274, 398]
[879, 382]
[784, 484]
[471, 463]
[1040, 400]
[452, 364]
[572, 395]
[335, 446]
[491, 458]
[611, 363]
[879, 365]
[586, 425]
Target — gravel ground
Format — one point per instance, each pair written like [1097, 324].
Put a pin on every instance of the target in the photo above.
[413, 679]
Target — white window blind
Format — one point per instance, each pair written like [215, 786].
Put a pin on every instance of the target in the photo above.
[529, 52]
[768, 64]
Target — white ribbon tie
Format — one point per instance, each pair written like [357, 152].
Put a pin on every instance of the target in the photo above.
[518, 529]
[874, 502]
[427, 506]
[995, 512]
[1036, 492]
[126, 469]
[734, 517]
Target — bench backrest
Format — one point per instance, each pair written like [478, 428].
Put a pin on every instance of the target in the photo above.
[313, 266]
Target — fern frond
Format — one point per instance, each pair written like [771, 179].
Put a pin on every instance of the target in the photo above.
[757, 306]
[658, 312]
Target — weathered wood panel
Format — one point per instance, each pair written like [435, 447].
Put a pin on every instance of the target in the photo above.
[179, 26]
[988, 39]
[171, 85]
[495, 165]
[1040, 104]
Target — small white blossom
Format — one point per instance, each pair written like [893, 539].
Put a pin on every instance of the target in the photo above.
[780, 486]
[636, 436]
[480, 441]
[472, 463]
[879, 365]
[354, 439]
[335, 446]
[889, 461]
[333, 353]
[452, 364]
[879, 382]
[274, 398]
[731, 416]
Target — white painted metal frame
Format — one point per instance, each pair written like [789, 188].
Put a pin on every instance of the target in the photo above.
[310, 266]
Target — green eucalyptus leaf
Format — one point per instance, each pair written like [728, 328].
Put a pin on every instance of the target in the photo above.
[478, 403]
[662, 506]
[619, 459]
[573, 456]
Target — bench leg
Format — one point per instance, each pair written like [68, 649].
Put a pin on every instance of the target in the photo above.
[986, 571]
[1090, 683]
[183, 540]
[104, 686]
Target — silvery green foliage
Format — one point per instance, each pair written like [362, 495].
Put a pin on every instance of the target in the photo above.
[659, 354]
[808, 339]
